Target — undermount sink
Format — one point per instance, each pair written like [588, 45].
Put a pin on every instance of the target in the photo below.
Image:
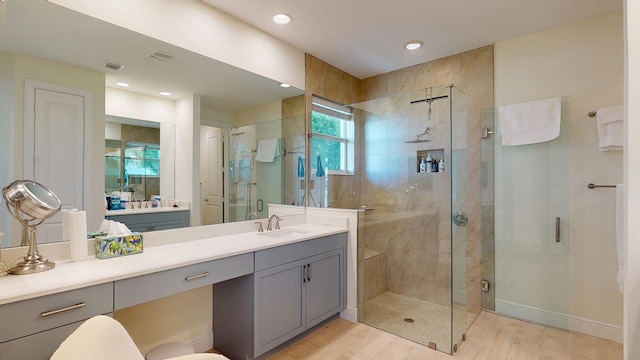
[283, 233]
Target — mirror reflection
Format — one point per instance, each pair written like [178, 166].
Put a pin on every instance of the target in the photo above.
[165, 145]
[132, 161]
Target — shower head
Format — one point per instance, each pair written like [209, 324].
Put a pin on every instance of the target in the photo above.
[427, 131]
[416, 141]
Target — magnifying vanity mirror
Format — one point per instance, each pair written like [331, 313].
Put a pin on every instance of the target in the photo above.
[31, 204]
[46, 49]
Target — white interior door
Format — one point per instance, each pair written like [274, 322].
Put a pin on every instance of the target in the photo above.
[211, 175]
[54, 142]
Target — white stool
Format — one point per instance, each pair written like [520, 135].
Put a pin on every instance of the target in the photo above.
[168, 350]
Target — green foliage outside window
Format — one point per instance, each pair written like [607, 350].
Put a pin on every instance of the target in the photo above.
[329, 150]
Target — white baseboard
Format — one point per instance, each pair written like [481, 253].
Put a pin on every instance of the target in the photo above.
[559, 320]
[203, 344]
[350, 314]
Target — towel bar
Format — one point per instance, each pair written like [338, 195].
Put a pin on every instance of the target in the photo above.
[593, 186]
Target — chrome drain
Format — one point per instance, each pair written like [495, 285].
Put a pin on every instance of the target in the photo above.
[409, 320]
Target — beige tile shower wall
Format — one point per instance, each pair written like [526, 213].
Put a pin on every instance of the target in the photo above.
[293, 132]
[471, 72]
[331, 83]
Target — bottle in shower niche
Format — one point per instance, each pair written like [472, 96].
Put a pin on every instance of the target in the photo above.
[423, 166]
[434, 165]
[429, 163]
[441, 165]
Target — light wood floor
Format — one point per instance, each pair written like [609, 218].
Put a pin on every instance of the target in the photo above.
[492, 337]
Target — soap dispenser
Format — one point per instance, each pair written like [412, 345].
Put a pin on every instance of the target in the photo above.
[441, 165]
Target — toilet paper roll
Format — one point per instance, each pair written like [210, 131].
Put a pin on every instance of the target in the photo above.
[77, 230]
[66, 225]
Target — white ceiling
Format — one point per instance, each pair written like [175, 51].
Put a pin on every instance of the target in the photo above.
[39, 28]
[367, 37]
[362, 37]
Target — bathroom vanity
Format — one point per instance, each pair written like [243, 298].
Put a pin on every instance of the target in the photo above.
[151, 219]
[268, 288]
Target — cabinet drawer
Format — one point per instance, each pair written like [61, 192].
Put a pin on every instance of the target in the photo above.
[140, 289]
[47, 312]
[288, 253]
[39, 346]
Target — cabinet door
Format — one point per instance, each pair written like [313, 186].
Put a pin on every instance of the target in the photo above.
[279, 305]
[167, 225]
[323, 286]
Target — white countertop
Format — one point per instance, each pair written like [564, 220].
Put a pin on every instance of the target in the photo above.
[144, 211]
[69, 275]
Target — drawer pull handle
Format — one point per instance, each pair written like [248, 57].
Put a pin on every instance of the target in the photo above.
[308, 272]
[304, 273]
[189, 278]
[58, 311]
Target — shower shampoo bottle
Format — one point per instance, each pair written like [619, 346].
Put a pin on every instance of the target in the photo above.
[429, 160]
[441, 165]
[423, 166]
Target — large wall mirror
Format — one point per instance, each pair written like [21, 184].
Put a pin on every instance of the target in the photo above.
[202, 99]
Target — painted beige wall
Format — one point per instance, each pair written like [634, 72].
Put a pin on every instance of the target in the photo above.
[259, 114]
[583, 61]
[632, 181]
[187, 153]
[186, 317]
[132, 105]
[21, 67]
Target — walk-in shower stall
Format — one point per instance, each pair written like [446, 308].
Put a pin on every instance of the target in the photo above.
[412, 169]
[263, 167]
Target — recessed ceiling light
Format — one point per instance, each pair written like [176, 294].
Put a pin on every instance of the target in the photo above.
[281, 19]
[285, 85]
[123, 84]
[165, 93]
[413, 45]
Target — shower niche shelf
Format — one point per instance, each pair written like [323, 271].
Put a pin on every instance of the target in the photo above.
[436, 155]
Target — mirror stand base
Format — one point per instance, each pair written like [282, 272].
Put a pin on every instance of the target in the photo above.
[32, 266]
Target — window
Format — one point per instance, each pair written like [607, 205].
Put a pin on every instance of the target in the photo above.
[332, 134]
[141, 161]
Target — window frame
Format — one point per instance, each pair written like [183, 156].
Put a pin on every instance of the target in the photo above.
[347, 130]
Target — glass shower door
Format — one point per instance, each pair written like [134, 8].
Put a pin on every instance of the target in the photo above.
[412, 258]
[242, 179]
[459, 217]
[532, 230]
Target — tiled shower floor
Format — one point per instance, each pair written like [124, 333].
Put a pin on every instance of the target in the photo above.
[431, 323]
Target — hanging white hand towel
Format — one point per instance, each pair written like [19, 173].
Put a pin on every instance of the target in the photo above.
[620, 244]
[530, 122]
[267, 150]
[610, 128]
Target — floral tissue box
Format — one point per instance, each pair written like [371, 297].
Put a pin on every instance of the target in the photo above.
[108, 247]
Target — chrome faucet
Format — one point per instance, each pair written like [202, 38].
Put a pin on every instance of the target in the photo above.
[274, 216]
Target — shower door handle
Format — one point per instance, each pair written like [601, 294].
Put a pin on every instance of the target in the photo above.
[460, 218]
[557, 229]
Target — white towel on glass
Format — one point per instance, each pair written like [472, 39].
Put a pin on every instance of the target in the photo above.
[620, 244]
[530, 122]
[267, 150]
[610, 128]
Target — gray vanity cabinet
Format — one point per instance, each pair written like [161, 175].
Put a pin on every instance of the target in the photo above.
[153, 221]
[34, 328]
[296, 287]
